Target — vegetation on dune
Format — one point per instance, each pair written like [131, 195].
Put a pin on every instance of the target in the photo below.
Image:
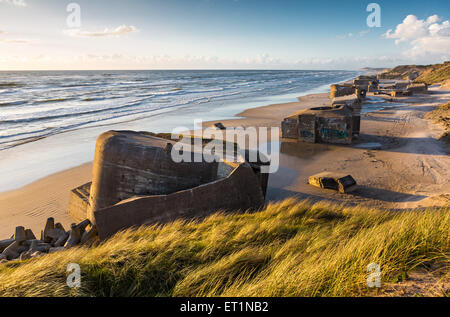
[429, 74]
[404, 72]
[289, 249]
[442, 116]
[435, 74]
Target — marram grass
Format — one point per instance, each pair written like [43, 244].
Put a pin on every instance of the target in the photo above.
[291, 248]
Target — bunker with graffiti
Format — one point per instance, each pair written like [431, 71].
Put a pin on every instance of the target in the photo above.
[321, 125]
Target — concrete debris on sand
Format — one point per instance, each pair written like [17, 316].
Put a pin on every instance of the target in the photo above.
[24, 245]
[339, 182]
[219, 126]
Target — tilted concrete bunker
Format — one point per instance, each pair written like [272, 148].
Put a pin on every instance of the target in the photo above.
[136, 182]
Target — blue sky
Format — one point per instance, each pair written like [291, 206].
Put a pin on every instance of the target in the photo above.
[220, 34]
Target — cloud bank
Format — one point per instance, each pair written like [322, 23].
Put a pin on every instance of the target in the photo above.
[119, 31]
[18, 3]
[424, 36]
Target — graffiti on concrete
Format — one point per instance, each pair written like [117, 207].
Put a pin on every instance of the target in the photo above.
[331, 133]
[306, 134]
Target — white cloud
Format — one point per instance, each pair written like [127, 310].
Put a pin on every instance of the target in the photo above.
[119, 31]
[349, 35]
[12, 40]
[15, 41]
[18, 3]
[424, 36]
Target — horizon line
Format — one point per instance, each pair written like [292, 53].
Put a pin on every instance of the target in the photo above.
[185, 69]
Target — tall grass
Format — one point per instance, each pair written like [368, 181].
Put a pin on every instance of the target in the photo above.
[289, 249]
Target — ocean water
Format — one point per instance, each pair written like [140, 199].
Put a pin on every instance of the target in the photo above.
[49, 121]
[39, 104]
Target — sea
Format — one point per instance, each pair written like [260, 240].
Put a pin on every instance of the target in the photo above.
[49, 120]
[37, 104]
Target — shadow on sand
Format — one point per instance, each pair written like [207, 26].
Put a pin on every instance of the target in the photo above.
[385, 195]
[279, 194]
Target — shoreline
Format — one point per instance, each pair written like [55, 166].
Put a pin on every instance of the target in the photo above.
[27, 163]
[48, 196]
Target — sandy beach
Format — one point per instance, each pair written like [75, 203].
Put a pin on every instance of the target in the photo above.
[406, 168]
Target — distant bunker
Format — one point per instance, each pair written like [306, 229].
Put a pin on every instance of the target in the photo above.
[360, 87]
[136, 182]
[323, 125]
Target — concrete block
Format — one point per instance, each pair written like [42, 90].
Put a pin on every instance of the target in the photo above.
[49, 225]
[341, 90]
[418, 88]
[20, 235]
[79, 202]
[401, 93]
[339, 182]
[219, 126]
[5, 243]
[74, 237]
[307, 128]
[29, 234]
[289, 128]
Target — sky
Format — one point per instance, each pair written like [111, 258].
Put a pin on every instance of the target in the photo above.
[221, 34]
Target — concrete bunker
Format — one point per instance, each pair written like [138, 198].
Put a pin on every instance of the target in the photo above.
[418, 88]
[355, 104]
[136, 182]
[401, 88]
[323, 124]
[360, 87]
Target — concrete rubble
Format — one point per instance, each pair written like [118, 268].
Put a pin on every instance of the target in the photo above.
[54, 238]
[218, 126]
[339, 182]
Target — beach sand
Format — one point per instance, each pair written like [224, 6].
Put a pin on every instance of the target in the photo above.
[31, 205]
[411, 168]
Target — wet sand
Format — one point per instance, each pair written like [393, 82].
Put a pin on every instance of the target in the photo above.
[410, 168]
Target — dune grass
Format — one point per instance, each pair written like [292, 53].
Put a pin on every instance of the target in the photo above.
[442, 116]
[291, 248]
[429, 74]
[435, 74]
